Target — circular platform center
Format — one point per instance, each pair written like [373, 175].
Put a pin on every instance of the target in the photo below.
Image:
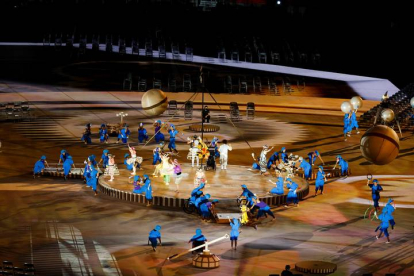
[221, 184]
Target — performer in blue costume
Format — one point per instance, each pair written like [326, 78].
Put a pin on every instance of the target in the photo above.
[214, 144]
[67, 165]
[155, 235]
[347, 126]
[93, 180]
[196, 193]
[375, 190]
[292, 195]
[156, 157]
[307, 168]
[124, 134]
[343, 164]
[248, 195]
[354, 121]
[159, 136]
[200, 200]
[272, 159]
[205, 212]
[40, 165]
[320, 180]
[283, 155]
[312, 157]
[384, 218]
[389, 209]
[255, 165]
[137, 185]
[234, 233]
[278, 190]
[128, 166]
[104, 158]
[142, 133]
[91, 162]
[148, 189]
[63, 156]
[173, 132]
[263, 209]
[197, 240]
[86, 137]
[103, 134]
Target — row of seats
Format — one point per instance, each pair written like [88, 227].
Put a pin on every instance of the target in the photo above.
[400, 104]
[234, 110]
[8, 268]
[230, 84]
[248, 50]
[16, 111]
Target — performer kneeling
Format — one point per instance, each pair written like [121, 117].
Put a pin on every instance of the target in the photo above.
[39, 166]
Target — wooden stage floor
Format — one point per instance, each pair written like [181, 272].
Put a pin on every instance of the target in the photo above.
[65, 230]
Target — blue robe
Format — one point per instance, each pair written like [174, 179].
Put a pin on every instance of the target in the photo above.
[63, 157]
[93, 180]
[234, 233]
[272, 159]
[39, 166]
[87, 174]
[389, 209]
[249, 196]
[292, 196]
[354, 121]
[375, 190]
[156, 158]
[278, 190]
[344, 166]
[312, 160]
[148, 189]
[284, 157]
[67, 165]
[194, 194]
[103, 135]
[159, 136]
[171, 144]
[153, 236]
[105, 160]
[347, 124]
[87, 136]
[129, 167]
[142, 135]
[385, 218]
[124, 134]
[307, 168]
[205, 212]
[320, 181]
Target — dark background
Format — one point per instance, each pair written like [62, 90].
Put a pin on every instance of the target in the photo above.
[370, 38]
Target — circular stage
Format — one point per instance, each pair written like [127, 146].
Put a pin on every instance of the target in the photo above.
[224, 185]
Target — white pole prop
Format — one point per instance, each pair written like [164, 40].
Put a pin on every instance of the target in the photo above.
[226, 236]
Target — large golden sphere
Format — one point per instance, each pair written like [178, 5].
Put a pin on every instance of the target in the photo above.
[380, 145]
[154, 102]
[387, 115]
[346, 107]
[356, 102]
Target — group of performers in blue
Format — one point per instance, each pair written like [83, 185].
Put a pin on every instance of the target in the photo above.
[143, 186]
[124, 134]
[350, 122]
